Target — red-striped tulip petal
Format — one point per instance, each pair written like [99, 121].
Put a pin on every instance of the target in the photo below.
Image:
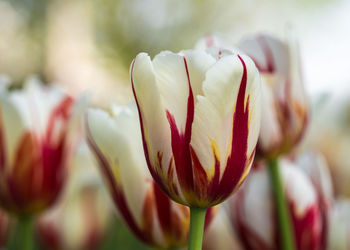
[285, 105]
[315, 166]
[115, 138]
[200, 115]
[81, 218]
[254, 216]
[35, 145]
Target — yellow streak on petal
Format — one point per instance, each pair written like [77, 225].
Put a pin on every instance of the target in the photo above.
[115, 171]
[216, 153]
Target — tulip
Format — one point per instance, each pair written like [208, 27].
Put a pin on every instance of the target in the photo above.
[115, 139]
[285, 106]
[80, 219]
[253, 215]
[199, 116]
[339, 238]
[35, 145]
[315, 167]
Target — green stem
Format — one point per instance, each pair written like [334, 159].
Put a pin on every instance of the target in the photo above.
[22, 237]
[197, 218]
[287, 235]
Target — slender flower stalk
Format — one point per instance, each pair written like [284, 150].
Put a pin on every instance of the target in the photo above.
[197, 217]
[283, 213]
[23, 235]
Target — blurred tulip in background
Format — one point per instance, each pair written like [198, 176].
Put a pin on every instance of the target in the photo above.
[79, 221]
[36, 146]
[254, 217]
[285, 105]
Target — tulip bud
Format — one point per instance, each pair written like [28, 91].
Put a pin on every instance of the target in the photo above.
[35, 147]
[115, 139]
[285, 105]
[339, 237]
[199, 115]
[254, 217]
[80, 219]
[315, 167]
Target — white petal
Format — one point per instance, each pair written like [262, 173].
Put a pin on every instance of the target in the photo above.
[298, 188]
[15, 122]
[119, 140]
[270, 134]
[198, 62]
[154, 121]
[265, 50]
[173, 84]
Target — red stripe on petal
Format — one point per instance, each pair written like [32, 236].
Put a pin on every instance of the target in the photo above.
[148, 218]
[307, 228]
[270, 62]
[27, 161]
[115, 190]
[163, 209]
[237, 161]
[62, 111]
[180, 142]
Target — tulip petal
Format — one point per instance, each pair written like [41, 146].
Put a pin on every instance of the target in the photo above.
[116, 138]
[269, 54]
[214, 111]
[14, 124]
[154, 125]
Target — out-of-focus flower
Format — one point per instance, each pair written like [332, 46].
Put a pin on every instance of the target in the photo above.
[315, 166]
[4, 228]
[115, 138]
[253, 213]
[285, 105]
[80, 219]
[35, 146]
[220, 234]
[339, 237]
[200, 115]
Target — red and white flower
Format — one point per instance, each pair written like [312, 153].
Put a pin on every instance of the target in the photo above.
[316, 168]
[35, 146]
[285, 105]
[254, 217]
[115, 139]
[200, 116]
[80, 219]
